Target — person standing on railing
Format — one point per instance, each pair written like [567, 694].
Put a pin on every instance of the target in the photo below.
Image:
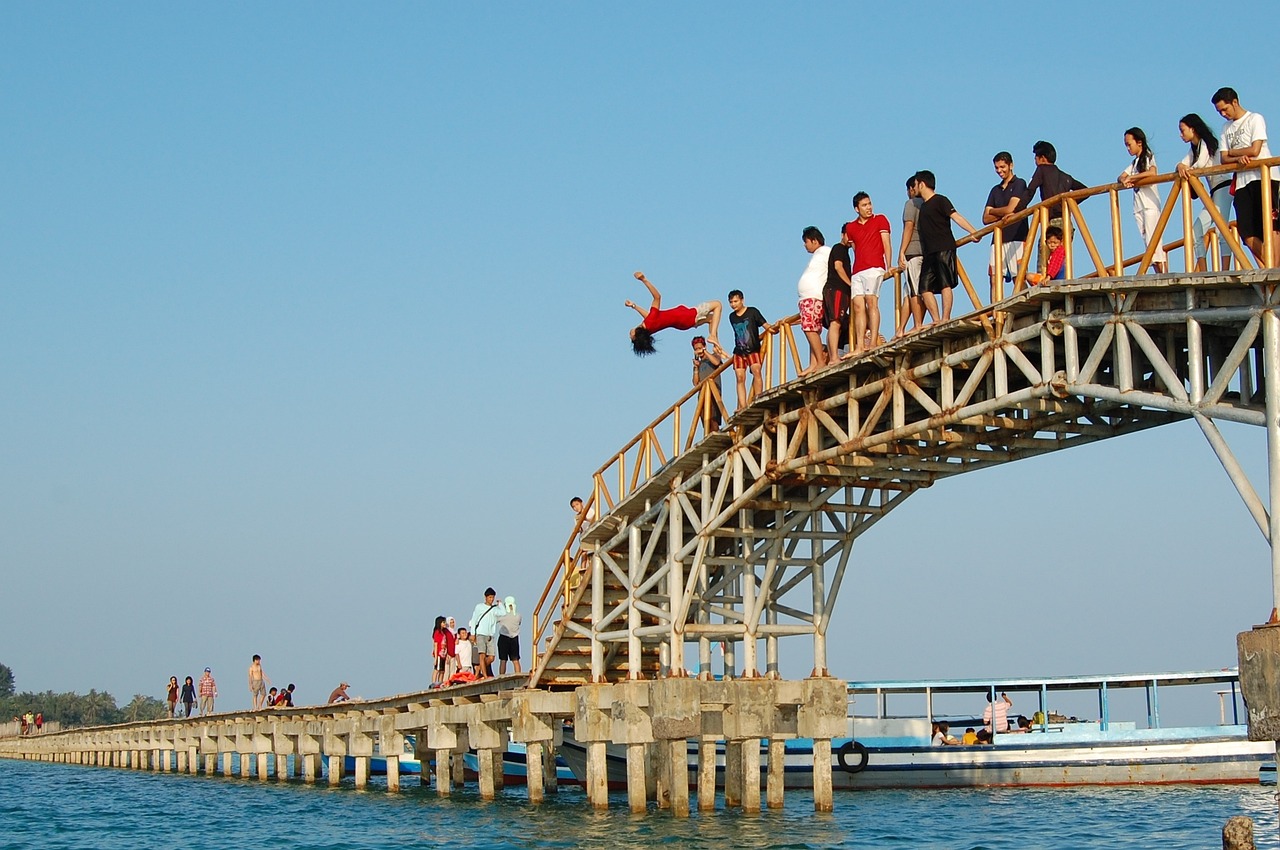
[1204, 154]
[938, 273]
[1244, 139]
[747, 322]
[1002, 201]
[837, 294]
[809, 291]
[681, 318]
[872, 248]
[1146, 199]
[705, 363]
[909, 258]
[1050, 180]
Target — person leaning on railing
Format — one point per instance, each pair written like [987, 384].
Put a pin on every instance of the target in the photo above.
[1204, 154]
[1049, 180]
[1244, 139]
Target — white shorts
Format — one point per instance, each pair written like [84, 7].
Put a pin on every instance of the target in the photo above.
[1012, 258]
[704, 309]
[866, 282]
[911, 277]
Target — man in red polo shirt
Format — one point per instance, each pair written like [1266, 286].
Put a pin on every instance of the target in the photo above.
[681, 318]
[869, 236]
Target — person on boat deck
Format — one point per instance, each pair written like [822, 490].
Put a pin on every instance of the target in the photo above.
[681, 318]
[970, 737]
[941, 735]
[1001, 712]
[1023, 724]
[984, 737]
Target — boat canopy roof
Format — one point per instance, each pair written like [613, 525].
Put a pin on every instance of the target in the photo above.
[1050, 683]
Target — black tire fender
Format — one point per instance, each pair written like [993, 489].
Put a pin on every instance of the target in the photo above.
[848, 748]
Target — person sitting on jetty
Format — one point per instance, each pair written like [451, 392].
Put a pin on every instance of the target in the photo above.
[271, 698]
[941, 735]
[339, 694]
[1000, 712]
[284, 699]
[681, 318]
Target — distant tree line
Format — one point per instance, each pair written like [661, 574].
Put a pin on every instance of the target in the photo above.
[71, 709]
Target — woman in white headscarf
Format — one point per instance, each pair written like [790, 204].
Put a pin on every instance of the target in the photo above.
[508, 636]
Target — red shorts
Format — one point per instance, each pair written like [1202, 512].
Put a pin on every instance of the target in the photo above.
[746, 361]
[811, 315]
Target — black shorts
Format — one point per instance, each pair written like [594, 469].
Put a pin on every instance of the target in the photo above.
[1248, 204]
[835, 304]
[508, 648]
[440, 663]
[938, 272]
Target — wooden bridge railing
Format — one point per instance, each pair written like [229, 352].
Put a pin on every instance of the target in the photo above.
[686, 422]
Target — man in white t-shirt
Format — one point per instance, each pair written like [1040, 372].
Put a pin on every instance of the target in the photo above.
[1244, 139]
[810, 293]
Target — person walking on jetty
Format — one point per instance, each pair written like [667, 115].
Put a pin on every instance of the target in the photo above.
[938, 274]
[188, 695]
[681, 318]
[442, 650]
[484, 626]
[809, 295]
[208, 692]
[509, 623]
[171, 697]
[258, 681]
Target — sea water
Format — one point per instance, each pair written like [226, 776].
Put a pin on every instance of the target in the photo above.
[61, 806]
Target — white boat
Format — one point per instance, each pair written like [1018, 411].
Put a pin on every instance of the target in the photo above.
[887, 747]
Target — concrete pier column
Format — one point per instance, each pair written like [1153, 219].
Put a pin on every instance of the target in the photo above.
[597, 776]
[444, 773]
[228, 763]
[636, 759]
[246, 764]
[210, 764]
[821, 715]
[550, 771]
[193, 760]
[822, 799]
[535, 776]
[335, 770]
[499, 769]
[485, 759]
[458, 768]
[297, 764]
[706, 775]
[263, 768]
[157, 760]
[659, 777]
[777, 773]
[310, 766]
[751, 775]
[182, 761]
[678, 777]
[393, 773]
[362, 771]
[282, 767]
[732, 774]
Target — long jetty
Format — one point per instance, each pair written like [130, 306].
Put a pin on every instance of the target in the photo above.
[654, 720]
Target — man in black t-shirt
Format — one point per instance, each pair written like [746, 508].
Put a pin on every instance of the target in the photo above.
[1003, 200]
[747, 322]
[938, 270]
[836, 295]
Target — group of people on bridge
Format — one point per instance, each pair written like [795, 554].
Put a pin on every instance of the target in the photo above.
[466, 654]
[841, 282]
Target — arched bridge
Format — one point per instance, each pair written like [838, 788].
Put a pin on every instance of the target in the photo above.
[744, 535]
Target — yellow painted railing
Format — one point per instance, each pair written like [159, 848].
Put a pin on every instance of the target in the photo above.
[689, 419]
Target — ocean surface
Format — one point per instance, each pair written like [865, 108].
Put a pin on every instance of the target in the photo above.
[62, 806]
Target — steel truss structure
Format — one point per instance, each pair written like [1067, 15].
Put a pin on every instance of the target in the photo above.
[748, 536]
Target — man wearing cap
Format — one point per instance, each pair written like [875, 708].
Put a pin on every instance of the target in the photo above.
[339, 693]
[208, 692]
[484, 626]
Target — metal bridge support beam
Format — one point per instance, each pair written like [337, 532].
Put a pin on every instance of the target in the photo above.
[1271, 351]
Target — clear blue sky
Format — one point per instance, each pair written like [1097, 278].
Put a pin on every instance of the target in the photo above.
[311, 318]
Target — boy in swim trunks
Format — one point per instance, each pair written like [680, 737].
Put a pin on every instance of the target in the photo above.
[258, 681]
[681, 318]
[809, 292]
[747, 322]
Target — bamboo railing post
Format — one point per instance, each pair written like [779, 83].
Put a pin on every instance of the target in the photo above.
[1074, 210]
[1224, 227]
[1069, 264]
[1268, 204]
[1033, 239]
[1154, 241]
[1116, 242]
[997, 265]
[1188, 241]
